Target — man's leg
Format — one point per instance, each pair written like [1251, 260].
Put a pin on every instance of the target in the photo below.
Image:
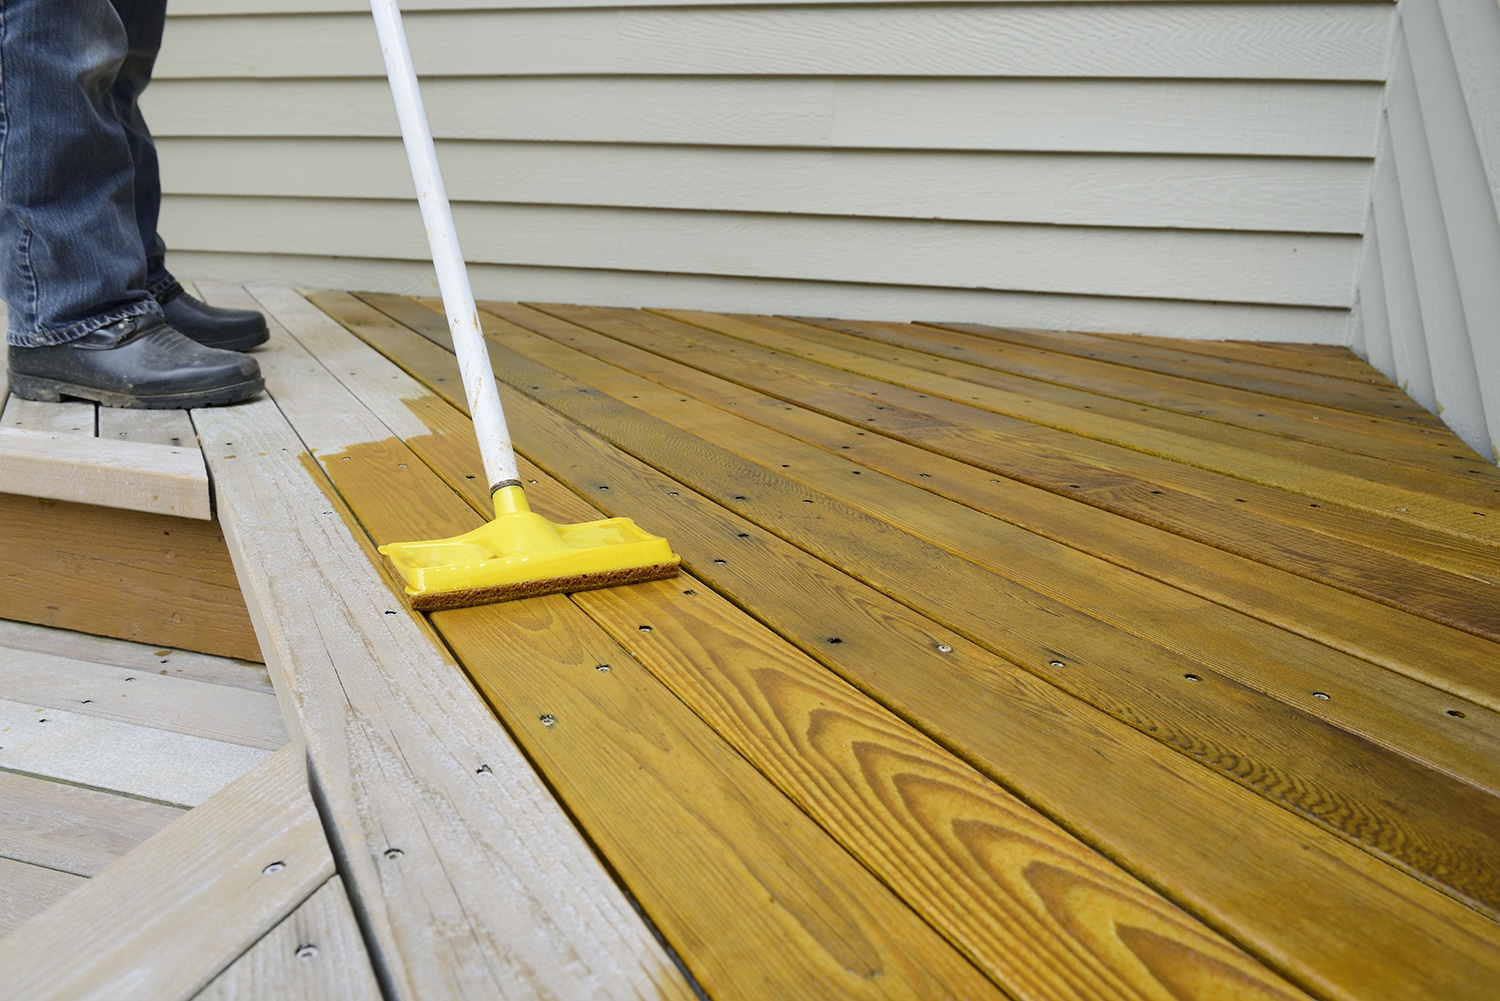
[72, 266]
[234, 329]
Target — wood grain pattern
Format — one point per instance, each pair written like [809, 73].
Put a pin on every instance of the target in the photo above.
[1389, 440]
[1452, 503]
[1360, 552]
[172, 768]
[724, 864]
[1014, 892]
[1132, 678]
[157, 427]
[70, 828]
[401, 749]
[68, 417]
[188, 901]
[920, 867]
[1365, 702]
[314, 954]
[1309, 388]
[1448, 659]
[129, 574]
[1312, 903]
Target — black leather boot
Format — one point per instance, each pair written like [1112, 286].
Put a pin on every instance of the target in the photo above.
[138, 362]
[213, 326]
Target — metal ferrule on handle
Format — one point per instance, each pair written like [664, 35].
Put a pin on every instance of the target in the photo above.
[453, 280]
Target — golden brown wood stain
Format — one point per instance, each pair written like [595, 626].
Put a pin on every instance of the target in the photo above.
[1342, 922]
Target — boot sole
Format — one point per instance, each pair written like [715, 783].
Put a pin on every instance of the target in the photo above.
[42, 390]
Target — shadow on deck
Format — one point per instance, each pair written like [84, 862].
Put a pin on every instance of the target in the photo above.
[1004, 663]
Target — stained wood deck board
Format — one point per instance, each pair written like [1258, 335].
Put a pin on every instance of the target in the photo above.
[1387, 700]
[920, 718]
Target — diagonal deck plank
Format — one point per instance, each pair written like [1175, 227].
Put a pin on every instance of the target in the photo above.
[189, 900]
[1001, 920]
[1314, 910]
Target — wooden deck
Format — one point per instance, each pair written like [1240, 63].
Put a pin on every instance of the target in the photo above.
[1004, 664]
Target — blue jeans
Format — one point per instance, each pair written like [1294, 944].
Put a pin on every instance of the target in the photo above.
[80, 190]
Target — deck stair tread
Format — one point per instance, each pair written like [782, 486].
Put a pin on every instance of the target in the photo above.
[74, 451]
[789, 591]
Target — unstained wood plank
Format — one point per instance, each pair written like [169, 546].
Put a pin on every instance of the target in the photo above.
[70, 828]
[27, 890]
[163, 922]
[168, 767]
[161, 661]
[314, 954]
[217, 712]
[71, 418]
[156, 427]
[137, 476]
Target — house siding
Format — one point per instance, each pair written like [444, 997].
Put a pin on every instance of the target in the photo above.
[1428, 300]
[1195, 170]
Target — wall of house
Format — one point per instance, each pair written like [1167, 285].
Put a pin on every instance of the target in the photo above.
[1428, 306]
[1198, 170]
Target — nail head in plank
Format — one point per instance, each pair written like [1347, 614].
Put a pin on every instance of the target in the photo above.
[314, 954]
[142, 697]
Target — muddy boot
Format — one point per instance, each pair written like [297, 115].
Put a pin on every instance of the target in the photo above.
[138, 362]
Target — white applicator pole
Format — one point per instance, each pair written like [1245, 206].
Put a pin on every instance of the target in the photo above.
[453, 280]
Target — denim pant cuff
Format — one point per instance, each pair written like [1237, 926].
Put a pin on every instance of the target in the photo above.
[158, 285]
[73, 331]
